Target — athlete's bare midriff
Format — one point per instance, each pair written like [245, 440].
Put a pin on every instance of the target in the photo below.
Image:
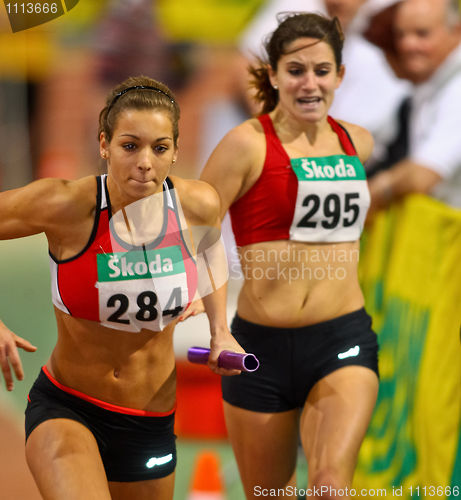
[131, 369]
[293, 284]
[134, 370]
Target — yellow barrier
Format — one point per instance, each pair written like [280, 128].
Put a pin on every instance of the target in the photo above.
[205, 21]
[411, 275]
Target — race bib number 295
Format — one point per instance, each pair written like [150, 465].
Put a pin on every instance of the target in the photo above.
[332, 199]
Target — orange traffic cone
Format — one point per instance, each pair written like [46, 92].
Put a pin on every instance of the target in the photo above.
[206, 480]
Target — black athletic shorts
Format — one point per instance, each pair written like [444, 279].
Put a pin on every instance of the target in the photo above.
[134, 445]
[292, 360]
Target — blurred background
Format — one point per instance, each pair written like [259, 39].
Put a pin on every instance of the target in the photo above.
[53, 81]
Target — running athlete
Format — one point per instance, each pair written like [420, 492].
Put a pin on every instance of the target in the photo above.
[295, 186]
[125, 263]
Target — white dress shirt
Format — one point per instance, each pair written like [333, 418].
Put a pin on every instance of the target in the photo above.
[435, 127]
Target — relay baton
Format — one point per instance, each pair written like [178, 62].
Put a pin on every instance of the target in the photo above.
[227, 359]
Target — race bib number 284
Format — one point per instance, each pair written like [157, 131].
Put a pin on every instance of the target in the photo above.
[141, 288]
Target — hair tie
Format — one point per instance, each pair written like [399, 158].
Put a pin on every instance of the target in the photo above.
[137, 87]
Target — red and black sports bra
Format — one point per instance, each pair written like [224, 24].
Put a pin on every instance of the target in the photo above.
[309, 199]
[124, 286]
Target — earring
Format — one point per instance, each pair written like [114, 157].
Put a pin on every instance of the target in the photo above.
[174, 161]
[103, 155]
[276, 87]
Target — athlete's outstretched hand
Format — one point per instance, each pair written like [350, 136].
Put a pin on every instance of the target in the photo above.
[9, 355]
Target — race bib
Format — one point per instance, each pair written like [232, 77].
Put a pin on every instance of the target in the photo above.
[332, 199]
[141, 288]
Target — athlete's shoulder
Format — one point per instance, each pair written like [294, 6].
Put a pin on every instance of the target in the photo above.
[68, 200]
[361, 138]
[199, 200]
[245, 137]
[238, 151]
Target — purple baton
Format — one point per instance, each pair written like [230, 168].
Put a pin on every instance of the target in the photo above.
[227, 359]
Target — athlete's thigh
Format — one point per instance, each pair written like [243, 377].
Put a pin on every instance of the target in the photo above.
[158, 489]
[265, 446]
[335, 419]
[64, 459]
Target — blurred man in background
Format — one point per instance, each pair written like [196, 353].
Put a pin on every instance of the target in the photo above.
[424, 48]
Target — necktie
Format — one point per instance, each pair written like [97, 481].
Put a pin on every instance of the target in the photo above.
[397, 149]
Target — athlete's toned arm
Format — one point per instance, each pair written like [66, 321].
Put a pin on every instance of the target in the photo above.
[233, 166]
[47, 206]
[228, 171]
[201, 207]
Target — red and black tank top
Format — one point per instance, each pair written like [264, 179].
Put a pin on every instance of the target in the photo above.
[125, 286]
[308, 199]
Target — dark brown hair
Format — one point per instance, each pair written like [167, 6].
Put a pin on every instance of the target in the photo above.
[138, 92]
[291, 27]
